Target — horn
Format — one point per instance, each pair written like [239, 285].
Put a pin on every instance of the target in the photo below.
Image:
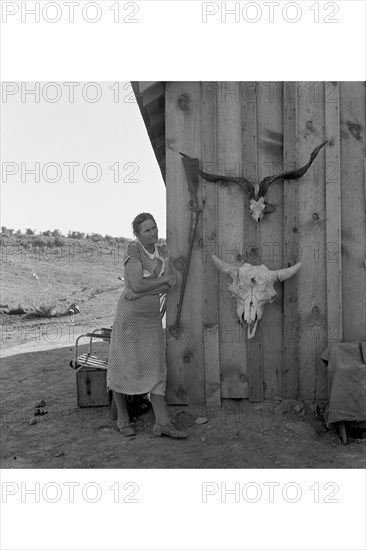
[283, 274]
[224, 266]
[251, 332]
[290, 174]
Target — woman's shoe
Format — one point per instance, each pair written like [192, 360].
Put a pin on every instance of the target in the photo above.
[125, 428]
[168, 429]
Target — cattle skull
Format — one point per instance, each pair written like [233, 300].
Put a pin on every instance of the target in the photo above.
[257, 191]
[252, 288]
[257, 208]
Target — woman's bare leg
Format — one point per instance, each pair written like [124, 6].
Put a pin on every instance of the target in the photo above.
[160, 409]
[121, 404]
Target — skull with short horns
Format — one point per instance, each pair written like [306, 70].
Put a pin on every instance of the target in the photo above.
[252, 288]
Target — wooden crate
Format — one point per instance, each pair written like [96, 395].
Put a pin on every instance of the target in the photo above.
[91, 387]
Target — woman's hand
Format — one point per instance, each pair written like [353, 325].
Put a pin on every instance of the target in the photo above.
[171, 280]
[131, 295]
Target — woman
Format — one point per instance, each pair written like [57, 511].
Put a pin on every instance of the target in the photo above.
[137, 362]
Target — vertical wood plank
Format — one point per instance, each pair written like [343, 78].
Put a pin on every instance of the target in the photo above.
[312, 282]
[333, 216]
[212, 367]
[270, 162]
[209, 98]
[177, 222]
[290, 372]
[230, 235]
[255, 370]
[364, 201]
[251, 253]
[353, 151]
[184, 354]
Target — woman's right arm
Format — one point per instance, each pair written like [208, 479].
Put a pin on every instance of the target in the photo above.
[143, 285]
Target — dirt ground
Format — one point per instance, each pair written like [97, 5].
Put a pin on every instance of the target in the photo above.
[239, 435]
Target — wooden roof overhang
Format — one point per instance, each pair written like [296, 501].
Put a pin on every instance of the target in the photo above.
[150, 98]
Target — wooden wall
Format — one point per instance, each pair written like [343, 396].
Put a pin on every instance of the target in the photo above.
[256, 130]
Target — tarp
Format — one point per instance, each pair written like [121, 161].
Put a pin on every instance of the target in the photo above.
[346, 364]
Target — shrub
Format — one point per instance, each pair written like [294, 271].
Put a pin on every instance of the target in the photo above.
[95, 237]
[76, 235]
[58, 241]
[123, 240]
[109, 239]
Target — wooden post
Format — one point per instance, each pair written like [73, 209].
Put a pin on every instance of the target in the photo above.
[333, 217]
[270, 162]
[312, 279]
[353, 208]
[364, 200]
[185, 360]
[209, 98]
[230, 238]
[290, 373]
[251, 252]
[212, 366]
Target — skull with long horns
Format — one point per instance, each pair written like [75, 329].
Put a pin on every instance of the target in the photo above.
[252, 288]
[257, 191]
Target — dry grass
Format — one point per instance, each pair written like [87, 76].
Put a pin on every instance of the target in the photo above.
[44, 310]
[88, 277]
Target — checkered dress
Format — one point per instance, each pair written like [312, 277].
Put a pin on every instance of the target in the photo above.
[137, 362]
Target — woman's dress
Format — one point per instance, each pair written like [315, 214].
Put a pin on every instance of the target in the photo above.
[137, 360]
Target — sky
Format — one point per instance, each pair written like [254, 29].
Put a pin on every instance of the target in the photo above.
[98, 126]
